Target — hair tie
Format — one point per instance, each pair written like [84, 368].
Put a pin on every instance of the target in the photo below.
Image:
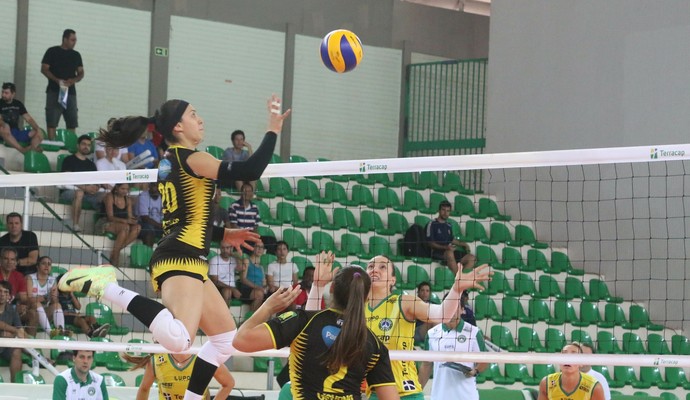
[356, 275]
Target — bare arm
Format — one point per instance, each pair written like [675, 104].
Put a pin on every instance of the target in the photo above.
[31, 259]
[146, 383]
[45, 70]
[323, 274]
[598, 393]
[387, 392]
[542, 390]
[253, 335]
[226, 380]
[424, 372]
[29, 120]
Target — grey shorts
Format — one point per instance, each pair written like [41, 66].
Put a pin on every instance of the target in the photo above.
[54, 111]
[94, 200]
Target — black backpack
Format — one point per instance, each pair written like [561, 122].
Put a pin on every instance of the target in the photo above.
[414, 242]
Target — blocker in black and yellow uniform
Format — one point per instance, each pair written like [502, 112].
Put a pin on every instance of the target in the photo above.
[583, 391]
[187, 217]
[172, 380]
[310, 335]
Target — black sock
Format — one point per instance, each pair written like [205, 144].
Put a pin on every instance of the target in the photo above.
[144, 309]
[202, 373]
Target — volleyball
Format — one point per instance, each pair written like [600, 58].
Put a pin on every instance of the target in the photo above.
[341, 51]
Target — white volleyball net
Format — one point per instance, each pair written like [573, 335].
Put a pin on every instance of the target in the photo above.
[586, 245]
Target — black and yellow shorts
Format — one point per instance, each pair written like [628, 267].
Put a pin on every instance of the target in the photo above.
[188, 266]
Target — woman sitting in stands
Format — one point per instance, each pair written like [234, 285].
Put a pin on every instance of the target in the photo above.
[119, 220]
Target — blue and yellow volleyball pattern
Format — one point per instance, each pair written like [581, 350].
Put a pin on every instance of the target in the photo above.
[341, 50]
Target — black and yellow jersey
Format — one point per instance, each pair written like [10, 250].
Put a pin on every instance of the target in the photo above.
[187, 208]
[310, 334]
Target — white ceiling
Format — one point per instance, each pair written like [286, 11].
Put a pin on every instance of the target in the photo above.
[480, 7]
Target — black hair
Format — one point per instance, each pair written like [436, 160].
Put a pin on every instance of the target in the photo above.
[83, 137]
[9, 85]
[41, 258]
[235, 133]
[67, 33]
[9, 249]
[6, 285]
[13, 214]
[75, 352]
[444, 203]
[122, 132]
[425, 283]
[278, 243]
[350, 290]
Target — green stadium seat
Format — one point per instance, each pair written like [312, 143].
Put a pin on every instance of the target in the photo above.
[668, 396]
[589, 314]
[276, 159]
[368, 222]
[372, 179]
[598, 291]
[401, 179]
[463, 205]
[323, 241]
[524, 235]
[57, 270]
[499, 284]
[267, 259]
[498, 233]
[27, 378]
[536, 260]
[380, 246]
[426, 180]
[67, 137]
[282, 187]
[111, 379]
[563, 312]
[517, 372]
[539, 371]
[115, 363]
[607, 343]
[455, 228]
[489, 373]
[613, 316]
[265, 231]
[54, 353]
[225, 202]
[36, 162]
[412, 200]
[294, 158]
[511, 309]
[622, 376]
[140, 256]
[639, 318]
[548, 287]
[581, 337]
[474, 231]
[314, 216]
[351, 244]
[435, 200]
[680, 345]
[342, 217]
[486, 255]
[503, 379]
[104, 315]
[656, 344]
[604, 370]
[538, 310]
[554, 340]
[561, 262]
[261, 193]
[501, 336]
[632, 344]
[287, 213]
[215, 151]
[575, 289]
[387, 198]
[528, 340]
[649, 376]
[489, 208]
[265, 214]
[415, 276]
[485, 307]
[422, 220]
[361, 196]
[99, 356]
[297, 242]
[397, 223]
[674, 377]
[443, 279]
[60, 160]
[523, 284]
[453, 182]
[512, 258]
[302, 263]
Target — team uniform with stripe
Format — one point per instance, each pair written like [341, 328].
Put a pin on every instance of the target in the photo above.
[41, 290]
[583, 390]
[68, 387]
[387, 322]
[310, 334]
[187, 217]
[450, 381]
[172, 380]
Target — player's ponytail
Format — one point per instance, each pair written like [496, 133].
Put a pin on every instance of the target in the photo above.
[350, 290]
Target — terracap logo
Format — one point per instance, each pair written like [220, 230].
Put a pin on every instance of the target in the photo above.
[657, 153]
[366, 167]
[135, 177]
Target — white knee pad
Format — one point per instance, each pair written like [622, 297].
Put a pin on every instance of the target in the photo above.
[218, 349]
[170, 332]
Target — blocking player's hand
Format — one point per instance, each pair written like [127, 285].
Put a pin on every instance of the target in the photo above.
[282, 298]
[238, 238]
[323, 271]
[472, 279]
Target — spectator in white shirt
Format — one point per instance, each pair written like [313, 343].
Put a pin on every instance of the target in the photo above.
[281, 273]
[149, 206]
[221, 271]
[110, 162]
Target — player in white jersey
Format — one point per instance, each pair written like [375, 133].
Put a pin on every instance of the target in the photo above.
[453, 380]
[587, 369]
[43, 296]
[79, 382]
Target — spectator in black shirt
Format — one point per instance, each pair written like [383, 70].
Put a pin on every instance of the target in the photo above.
[11, 110]
[80, 162]
[24, 242]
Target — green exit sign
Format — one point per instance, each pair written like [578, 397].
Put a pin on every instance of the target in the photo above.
[160, 51]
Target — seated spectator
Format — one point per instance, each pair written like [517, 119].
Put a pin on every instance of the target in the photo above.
[220, 215]
[439, 236]
[18, 293]
[149, 210]
[118, 219]
[24, 242]
[281, 273]
[240, 151]
[221, 271]
[467, 312]
[10, 327]
[137, 150]
[305, 285]
[253, 285]
[80, 162]
[42, 289]
[88, 324]
[99, 151]
[111, 161]
[11, 110]
[243, 213]
[420, 327]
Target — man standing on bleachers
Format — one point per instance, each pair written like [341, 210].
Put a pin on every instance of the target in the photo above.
[24, 242]
[81, 162]
[444, 247]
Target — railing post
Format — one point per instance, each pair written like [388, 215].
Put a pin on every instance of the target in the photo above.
[27, 200]
[270, 369]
